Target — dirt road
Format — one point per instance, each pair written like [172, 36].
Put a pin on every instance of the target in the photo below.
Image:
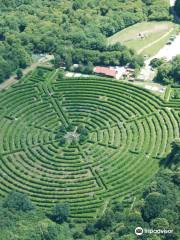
[12, 80]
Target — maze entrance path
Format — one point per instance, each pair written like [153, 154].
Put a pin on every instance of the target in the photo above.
[130, 131]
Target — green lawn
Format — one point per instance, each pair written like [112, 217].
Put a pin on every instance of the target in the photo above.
[155, 35]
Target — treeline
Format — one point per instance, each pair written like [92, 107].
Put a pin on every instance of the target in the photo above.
[16, 210]
[167, 72]
[108, 56]
[177, 7]
[40, 26]
[12, 57]
[157, 208]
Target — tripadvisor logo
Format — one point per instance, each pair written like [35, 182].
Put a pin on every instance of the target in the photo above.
[139, 231]
[72, 135]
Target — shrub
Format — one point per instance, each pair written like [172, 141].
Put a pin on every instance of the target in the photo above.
[156, 62]
[154, 203]
[18, 201]
[60, 213]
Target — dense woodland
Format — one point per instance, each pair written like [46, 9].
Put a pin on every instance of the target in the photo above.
[177, 7]
[75, 31]
[158, 207]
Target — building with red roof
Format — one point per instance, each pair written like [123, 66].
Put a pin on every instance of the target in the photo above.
[105, 71]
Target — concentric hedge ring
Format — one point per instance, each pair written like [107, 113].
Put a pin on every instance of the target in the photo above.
[130, 130]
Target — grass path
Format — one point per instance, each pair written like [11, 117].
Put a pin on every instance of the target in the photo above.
[156, 34]
[154, 42]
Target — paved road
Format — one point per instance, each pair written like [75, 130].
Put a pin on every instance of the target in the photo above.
[168, 52]
[172, 3]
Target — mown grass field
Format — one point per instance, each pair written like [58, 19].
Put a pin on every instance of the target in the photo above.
[154, 36]
[130, 131]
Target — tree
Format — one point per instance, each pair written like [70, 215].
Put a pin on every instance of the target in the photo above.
[176, 177]
[70, 127]
[159, 10]
[57, 61]
[170, 215]
[61, 75]
[8, 218]
[62, 129]
[154, 203]
[105, 221]
[77, 4]
[19, 73]
[60, 213]
[159, 223]
[126, 57]
[137, 61]
[68, 61]
[154, 238]
[169, 72]
[4, 69]
[156, 62]
[128, 237]
[90, 229]
[44, 232]
[176, 69]
[51, 233]
[164, 74]
[89, 68]
[23, 57]
[83, 134]
[177, 7]
[62, 141]
[174, 156]
[78, 235]
[40, 72]
[18, 201]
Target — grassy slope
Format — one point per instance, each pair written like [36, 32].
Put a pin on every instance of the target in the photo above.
[152, 31]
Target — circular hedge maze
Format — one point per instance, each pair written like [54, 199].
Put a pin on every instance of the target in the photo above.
[129, 131]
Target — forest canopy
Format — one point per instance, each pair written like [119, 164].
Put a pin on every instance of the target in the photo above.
[169, 72]
[68, 28]
[177, 7]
